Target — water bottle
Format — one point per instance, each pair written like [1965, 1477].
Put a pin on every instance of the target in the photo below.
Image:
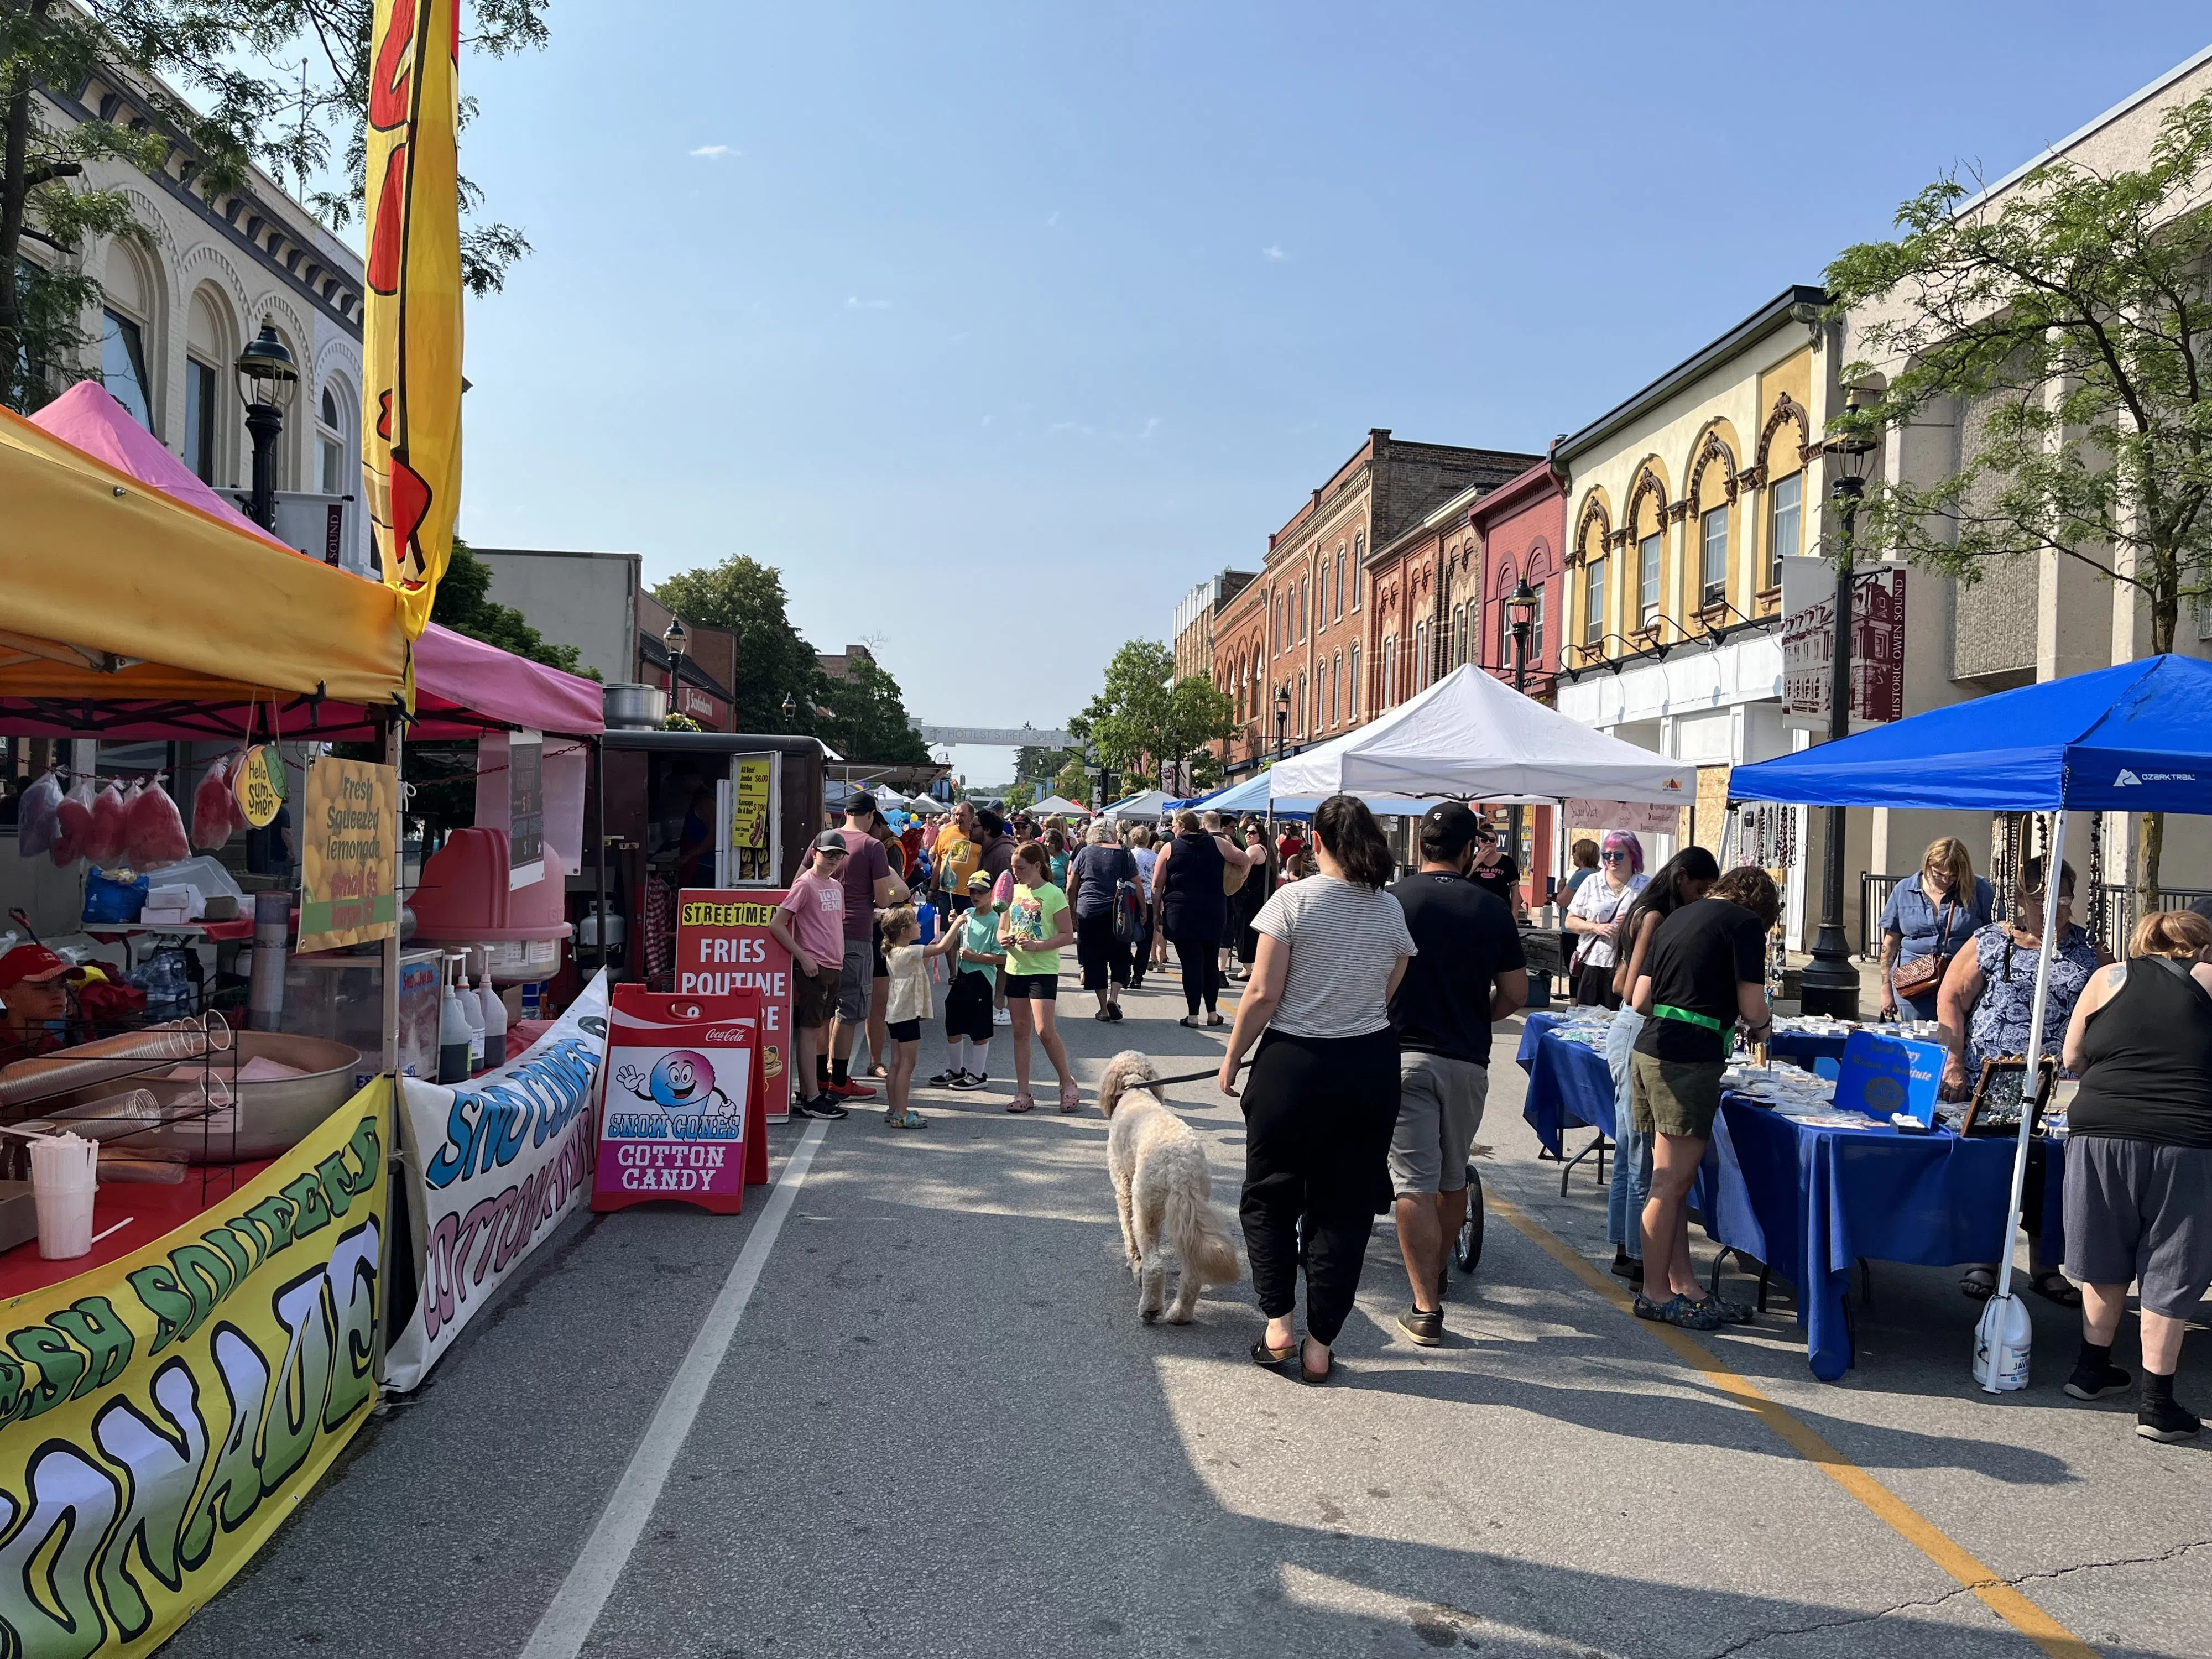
[2001, 1345]
[495, 1021]
[454, 1034]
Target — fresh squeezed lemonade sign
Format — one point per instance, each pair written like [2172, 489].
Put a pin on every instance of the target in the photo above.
[348, 854]
[722, 944]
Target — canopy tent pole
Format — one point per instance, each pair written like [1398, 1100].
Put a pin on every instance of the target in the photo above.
[394, 739]
[2054, 862]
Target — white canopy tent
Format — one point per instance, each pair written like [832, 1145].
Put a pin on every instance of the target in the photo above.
[1474, 736]
[1058, 805]
[1141, 808]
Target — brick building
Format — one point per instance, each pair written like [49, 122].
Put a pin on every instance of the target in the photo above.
[1299, 639]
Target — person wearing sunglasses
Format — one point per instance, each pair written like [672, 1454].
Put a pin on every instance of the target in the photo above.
[1598, 905]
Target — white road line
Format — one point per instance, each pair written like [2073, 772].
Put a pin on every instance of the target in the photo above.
[568, 1624]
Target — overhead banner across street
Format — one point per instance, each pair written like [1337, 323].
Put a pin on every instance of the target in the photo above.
[165, 1410]
[492, 1166]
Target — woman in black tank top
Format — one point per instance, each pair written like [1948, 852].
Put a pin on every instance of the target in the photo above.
[1187, 893]
[2139, 1159]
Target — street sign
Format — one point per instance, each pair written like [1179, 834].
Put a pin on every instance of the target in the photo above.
[1808, 631]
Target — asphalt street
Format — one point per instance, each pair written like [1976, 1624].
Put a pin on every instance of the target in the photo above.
[941, 1429]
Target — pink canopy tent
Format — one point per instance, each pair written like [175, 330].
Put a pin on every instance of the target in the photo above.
[462, 686]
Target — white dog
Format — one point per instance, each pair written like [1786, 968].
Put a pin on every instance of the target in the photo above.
[1162, 1184]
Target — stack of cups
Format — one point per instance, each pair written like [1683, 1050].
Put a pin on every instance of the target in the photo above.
[64, 1176]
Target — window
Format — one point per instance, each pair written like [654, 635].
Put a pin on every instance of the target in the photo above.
[1505, 629]
[1301, 705]
[1419, 677]
[1336, 688]
[1459, 636]
[1713, 561]
[1352, 692]
[1594, 602]
[1321, 696]
[1301, 609]
[1536, 625]
[1785, 516]
[1339, 584]
[200, 383]
[329, 445]
[1358, 571]
[123, 365]
[1647, 580]
[1391, 672]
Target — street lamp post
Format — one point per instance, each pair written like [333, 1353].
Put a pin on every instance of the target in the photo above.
[1282, 719]
[268, 381]
[790, 712]
[675, 639]
[1831, 984]
[1520, 609]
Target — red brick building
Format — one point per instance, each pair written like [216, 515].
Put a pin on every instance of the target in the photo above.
[1299, 639]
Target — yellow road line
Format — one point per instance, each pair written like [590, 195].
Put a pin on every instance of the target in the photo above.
[1915, 1528]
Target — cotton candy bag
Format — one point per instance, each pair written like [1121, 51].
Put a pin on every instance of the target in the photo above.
[37, 816]
[104, 845]
[73, 823]
[215, 809]
[154, 834]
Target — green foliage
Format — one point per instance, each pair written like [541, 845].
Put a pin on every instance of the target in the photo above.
[747, 597]
[2072, 323]
[1073, 783]
[1143, 720]
[463, 603]
[863, 716]
[243, 95]
[1034, 764]
[1020, 796]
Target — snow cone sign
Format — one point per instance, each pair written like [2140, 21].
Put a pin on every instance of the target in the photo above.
[683, 1113]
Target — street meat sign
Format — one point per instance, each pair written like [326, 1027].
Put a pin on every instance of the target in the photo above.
[1808, 632]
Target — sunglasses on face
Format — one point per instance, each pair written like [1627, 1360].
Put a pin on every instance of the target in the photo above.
[1614, 858]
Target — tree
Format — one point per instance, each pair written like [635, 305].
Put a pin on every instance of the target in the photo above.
[1073, 783]
[1036, 764]
[2074, 322]
[464, 605]
[865, 718]
[747, 597]
[1144, 720]
[222, 85]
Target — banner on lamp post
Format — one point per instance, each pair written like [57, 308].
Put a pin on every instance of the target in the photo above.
[1808, 634]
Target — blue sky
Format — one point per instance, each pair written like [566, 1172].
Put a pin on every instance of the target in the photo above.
[994, 328]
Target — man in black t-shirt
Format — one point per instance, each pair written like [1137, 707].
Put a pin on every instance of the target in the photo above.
[1704, 972]
[1469, 973]
[1493, 871]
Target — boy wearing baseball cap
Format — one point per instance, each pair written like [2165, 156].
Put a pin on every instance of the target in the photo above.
[34, 985]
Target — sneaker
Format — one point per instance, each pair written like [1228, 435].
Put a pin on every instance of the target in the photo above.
[1001, 1017]
[1424, 1325]
[851, 1090]
[2166, 1422]
[1686, 1315]
[2095, 1382]
[972, 1080]
[823, 1106]
[947, 1079]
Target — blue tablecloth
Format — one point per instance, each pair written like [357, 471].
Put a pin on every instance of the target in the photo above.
[1801, 1049]
[1810, 1202]
[1569, 1084]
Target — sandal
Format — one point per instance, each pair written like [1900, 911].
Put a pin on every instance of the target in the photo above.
[1021, 1103]
[1313, 1378]
[2054, 1286]
[1271, 1359]
[1114, 1012]
[1071, 1096]
[1978, 1283]
[1102, 1017]
[909, 1120]
[1190, 1020]
[1215, 1019]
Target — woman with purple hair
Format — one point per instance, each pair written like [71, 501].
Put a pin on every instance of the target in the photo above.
[1598, 905]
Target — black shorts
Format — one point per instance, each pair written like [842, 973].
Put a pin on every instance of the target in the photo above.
[967, 1007]
[1032, 987]
[875, 941]
[904, 1030]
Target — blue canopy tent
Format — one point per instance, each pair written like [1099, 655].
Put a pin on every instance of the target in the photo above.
[2133, 738]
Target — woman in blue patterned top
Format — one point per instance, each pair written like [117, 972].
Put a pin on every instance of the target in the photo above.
[1986, 1003]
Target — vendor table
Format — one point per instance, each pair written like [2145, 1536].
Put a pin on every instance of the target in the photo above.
[1569, 1084]
[152, 1209]
[1809, 1202]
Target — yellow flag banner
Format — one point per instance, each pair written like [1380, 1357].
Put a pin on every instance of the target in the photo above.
[411, 331]
[161, 1415]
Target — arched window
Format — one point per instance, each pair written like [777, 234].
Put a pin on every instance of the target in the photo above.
[1302, 610]
[1302, 705]
[1459, 636]
[1340, 583]
[330, 445]
[1321, 616]
[1352, 692]
[1336, 688]
[1419, 677]
[1358, 569]
[126, 319]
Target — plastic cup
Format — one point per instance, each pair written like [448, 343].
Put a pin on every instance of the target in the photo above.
[64, 1178]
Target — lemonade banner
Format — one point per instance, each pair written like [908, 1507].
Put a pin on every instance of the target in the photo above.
[492, 1168]
[161, 1414]
[349, 853]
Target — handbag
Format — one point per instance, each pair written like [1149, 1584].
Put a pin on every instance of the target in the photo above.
[1233, 875]
[1918, 977]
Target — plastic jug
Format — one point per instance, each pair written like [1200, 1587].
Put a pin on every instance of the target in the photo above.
[2001, 1345]
[472, 1012]
[454, 1034]
[495, 1021]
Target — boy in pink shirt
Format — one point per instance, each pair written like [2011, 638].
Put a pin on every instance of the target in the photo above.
[809, 923]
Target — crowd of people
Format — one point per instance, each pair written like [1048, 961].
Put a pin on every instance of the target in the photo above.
[1367, 1006]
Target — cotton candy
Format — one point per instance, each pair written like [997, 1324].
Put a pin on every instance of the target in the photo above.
[73, 823]
[213, 809]
[105, 845]
[154, 833]
[36, 819]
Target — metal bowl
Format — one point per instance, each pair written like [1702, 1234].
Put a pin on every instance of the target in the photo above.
[269, 1119]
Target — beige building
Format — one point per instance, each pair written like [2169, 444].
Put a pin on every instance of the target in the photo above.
[173, 320]
[1193, 632]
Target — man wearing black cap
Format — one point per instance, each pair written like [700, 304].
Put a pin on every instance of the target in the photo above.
[1469, 973]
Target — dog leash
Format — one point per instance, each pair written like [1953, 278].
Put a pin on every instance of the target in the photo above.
[1194, 1077]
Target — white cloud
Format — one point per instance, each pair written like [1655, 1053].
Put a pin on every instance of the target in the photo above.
[855, 302]
[1272, 251]
[1151, 426]
[714, 152]
[1053, 217]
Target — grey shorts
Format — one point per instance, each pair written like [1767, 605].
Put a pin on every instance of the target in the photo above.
[1440, 1103]
[1673, 1097]
[2137, 1210]
[858, 982]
